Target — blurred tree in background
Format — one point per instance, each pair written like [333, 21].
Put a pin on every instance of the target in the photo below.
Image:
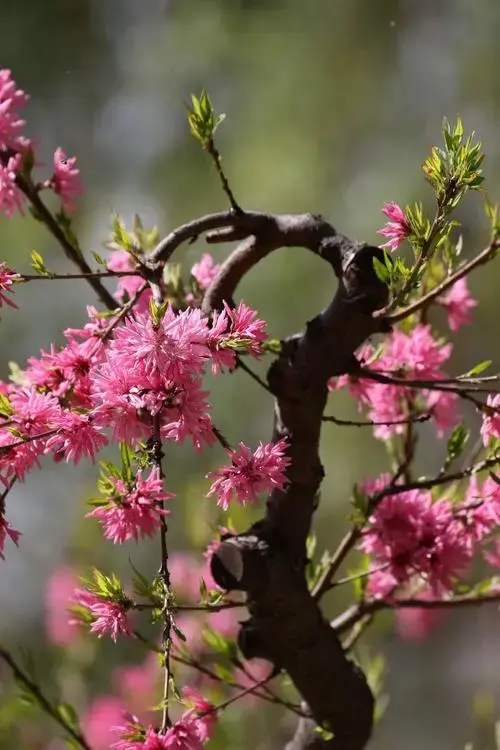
[332, 106]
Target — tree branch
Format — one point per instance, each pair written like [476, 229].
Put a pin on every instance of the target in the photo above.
[286, 625]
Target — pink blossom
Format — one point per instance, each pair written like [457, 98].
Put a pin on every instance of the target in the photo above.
[7, 279]
[57, 595]
[205, 271]
[34, 414]
[246, 330]
[102, 715]
[109, 617]
[131, 733]
[182, 735]
[410, 535]
[120, 260]
[76, 437]
[205, 723]
[382, 584]
[66, 181]
[491, 419]
[11, 100]
[175, 349]
[134, 512]
[416, 355]
[397, 229]
[6, 530]
[11, 198]
[458, 303]
[250, 473]
[480, 510]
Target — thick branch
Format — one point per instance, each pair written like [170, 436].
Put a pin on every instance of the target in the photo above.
[286, 625]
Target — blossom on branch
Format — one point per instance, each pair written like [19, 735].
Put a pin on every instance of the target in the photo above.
[458, 303]
[408, 534]
[66, 179]
[76, 437]
[6, 530]
[11, 198]
[7, 279]
[11, 100]
[205, 271]
[417, 356]
[134, 512]
[491, 419]
[250, 473]
[397, 229]
[108, 617]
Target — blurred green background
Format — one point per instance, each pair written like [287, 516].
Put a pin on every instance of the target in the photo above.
[331, 106]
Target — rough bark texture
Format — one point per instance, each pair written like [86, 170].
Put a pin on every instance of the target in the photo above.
[286, 625]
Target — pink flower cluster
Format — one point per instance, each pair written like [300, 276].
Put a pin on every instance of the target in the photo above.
[411, 537]
[120, 261]
[250, 473]
[109, 617]
[154, 372]
[190, 732]
[416, 355]
[458, 304]
[7, 280]
[40, 424]
[12, 100]
[13, 145]
[397, 228]
[6, 530]
[66, 179]
[205, 271]
[133, 511]
[490, 427]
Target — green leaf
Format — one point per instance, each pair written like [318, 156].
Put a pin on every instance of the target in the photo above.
[382, 271]
[456, 444]
[179, 633]
[68, 715]
[38, 264]
[98, 259]
[202, 119]
[121, 237]
[479, 368]
[203, 591]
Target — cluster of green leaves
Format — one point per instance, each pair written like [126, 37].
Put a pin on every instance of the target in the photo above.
[456, 168]
[202, 119]
[110, 474]
[138, 242]
[451, 170]
[107, 588]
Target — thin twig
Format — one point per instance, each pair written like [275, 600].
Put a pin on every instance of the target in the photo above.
[243, 366]
[371, 423]
[453, 385]
[214, 153]
[221, 439]
[42, 701]
[71, 250]
[203, 669]
[71, 276]
[354, 614]
[484, 257]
